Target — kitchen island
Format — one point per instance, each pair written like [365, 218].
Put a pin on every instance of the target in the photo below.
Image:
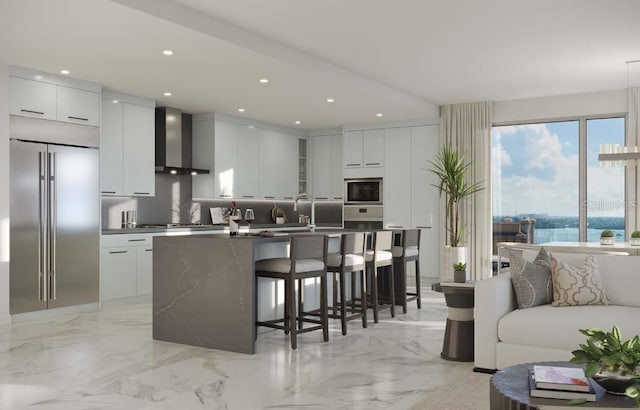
[204, 288]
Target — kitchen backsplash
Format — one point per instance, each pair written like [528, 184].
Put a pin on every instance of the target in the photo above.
[173, 204]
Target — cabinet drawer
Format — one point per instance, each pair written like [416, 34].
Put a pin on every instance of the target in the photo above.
[117, 273]
[30, 98]
[111, 241]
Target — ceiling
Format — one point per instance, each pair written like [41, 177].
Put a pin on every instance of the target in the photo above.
[401, 58]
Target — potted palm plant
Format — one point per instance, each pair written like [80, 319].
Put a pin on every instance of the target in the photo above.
[451, 167]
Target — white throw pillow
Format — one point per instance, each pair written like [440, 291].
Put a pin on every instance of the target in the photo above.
[577, 286]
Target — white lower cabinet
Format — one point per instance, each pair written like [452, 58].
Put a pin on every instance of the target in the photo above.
[126, 266]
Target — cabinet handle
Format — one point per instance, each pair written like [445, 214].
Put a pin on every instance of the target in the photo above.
[269, 197]
[395, 226]
[113, 252]
[142, 193]
[224, 196]
[108, 192]
[137, 240]
[247, 196]
[148, 250]
[423, 227]
[337, 197]
[353, 165]
[288, 197]
[322, 197]
[32, 112]
[77, 118]
[372, 163]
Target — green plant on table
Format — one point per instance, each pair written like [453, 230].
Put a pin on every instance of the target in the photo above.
[606, 352]
[635, 234]
[607, 233]
[460, 266]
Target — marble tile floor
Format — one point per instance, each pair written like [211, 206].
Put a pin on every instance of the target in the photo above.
[108, 360]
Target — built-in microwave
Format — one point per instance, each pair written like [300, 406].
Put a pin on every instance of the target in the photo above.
[363, 191]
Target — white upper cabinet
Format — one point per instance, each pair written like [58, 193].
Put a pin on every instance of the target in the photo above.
[139, 150]
[326, 167]
[268, 164]
[397, 179]
[78, 106]
[30, 98]
[111, 149]
[247, 180]
[364, 148]
[353, 141]
[226, 158]
[288, 166]
[127, 146]
[203, 149]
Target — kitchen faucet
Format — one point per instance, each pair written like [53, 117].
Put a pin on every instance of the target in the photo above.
[306, 196]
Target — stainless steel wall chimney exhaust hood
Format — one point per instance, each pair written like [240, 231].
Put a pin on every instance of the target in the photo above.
[173, 143]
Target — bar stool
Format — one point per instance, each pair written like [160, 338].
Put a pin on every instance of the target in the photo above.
[349, 260]
[308, 259]
[380, 256]
[408, 251]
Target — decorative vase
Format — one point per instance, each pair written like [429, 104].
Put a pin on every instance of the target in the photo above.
[608, 240]
[634, 241]
[614, 383]
[460, 276]
[452, 254]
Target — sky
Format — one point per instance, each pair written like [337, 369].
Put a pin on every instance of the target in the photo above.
[535, 169]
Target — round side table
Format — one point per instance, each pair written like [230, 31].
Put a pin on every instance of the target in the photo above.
[458, 335]
[510, 390]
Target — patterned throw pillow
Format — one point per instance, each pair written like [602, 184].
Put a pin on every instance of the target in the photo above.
[577, 286]
[531, 280]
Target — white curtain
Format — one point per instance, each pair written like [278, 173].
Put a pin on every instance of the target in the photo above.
[633, 181]
[467, 127]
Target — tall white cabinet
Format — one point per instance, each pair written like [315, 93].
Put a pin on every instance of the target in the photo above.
[326, 167]
[127, 141]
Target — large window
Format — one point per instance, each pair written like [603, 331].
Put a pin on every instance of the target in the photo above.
[550, 172]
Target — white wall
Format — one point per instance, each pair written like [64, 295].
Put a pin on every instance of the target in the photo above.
[4, 194]
[559, 106]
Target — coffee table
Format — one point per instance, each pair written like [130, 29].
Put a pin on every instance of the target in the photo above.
[510, 390]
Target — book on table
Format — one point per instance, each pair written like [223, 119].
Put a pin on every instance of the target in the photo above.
[589, 395]
[560, 378]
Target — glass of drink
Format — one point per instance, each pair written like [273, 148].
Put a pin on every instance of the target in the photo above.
[249, 217]
[236, 217]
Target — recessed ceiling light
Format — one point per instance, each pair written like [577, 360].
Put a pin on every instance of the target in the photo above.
[379, 114]
[298, 123]
[240, 109]
[264, 80]
[115, 101]
[38, 77]
[65, 72]
[167, 52]
[167, 94]
[330, 100]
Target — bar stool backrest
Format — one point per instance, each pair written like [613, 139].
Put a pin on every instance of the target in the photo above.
[382, 240]
[353, 243]
[411, 237]
[309, 247]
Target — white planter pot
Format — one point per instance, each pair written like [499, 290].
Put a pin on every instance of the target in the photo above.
[607, 241]
[452, 254]
[634, 241]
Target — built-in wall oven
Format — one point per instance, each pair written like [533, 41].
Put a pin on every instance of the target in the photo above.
[363, 191]
[363, 217]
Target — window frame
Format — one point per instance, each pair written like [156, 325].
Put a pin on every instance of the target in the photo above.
[582, 161]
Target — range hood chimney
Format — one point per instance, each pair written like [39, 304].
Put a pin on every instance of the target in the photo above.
[173, 143]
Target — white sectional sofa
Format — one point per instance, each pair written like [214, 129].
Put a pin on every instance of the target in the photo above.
[506, 335]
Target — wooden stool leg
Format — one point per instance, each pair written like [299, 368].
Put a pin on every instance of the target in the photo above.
[392, 291]
[374, 292]
[286, 306]
[255, 310]
[300, 303]
[291, 295]
[343, 304]
[323, 307]
[334, 288]
[363, 296]
[353, 292]
[418, 292]
[402, 278]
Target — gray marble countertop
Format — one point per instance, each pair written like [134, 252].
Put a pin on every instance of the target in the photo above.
[120, 231]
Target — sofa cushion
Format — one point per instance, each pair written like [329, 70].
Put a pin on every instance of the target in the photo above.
[577, 285]
[557, 328]
[531, 280]
[621, 278]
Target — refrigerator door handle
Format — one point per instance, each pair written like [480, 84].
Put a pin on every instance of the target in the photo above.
[53, 219]
[42, 268]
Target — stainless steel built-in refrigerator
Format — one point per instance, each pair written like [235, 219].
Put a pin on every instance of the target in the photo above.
[54, 214]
